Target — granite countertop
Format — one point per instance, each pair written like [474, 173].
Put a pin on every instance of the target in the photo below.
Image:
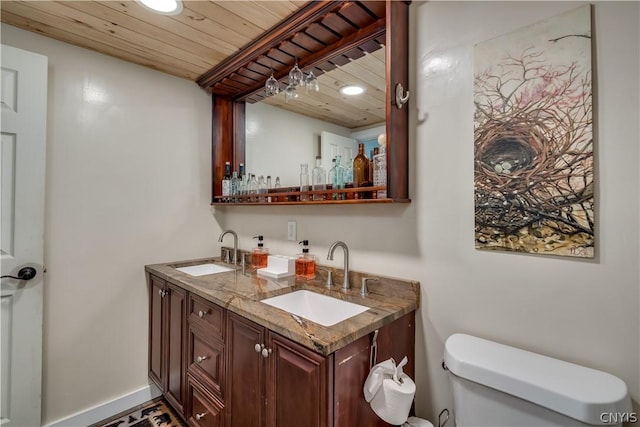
[388, 299]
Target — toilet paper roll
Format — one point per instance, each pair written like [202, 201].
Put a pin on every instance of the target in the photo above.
[393, 400]
[418, 422]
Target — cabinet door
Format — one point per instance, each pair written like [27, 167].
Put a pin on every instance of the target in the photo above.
[299, 385]
[244, 397]
[156, 311]
[176, 346]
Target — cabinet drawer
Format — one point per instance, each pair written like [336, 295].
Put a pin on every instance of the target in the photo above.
[204, 409]
[206, 360]
[208, 315]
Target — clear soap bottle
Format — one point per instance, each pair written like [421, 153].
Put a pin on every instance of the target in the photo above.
[305, 263]
[259, 254]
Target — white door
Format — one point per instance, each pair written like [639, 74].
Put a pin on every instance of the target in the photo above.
[24, 112]
[332, 145]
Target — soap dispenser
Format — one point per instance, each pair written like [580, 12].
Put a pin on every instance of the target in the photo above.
[259, 254]
[305, 263]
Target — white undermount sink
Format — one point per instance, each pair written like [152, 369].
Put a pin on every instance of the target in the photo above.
[204, 269]
[318, 308]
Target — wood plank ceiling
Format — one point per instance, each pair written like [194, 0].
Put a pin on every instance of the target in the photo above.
[201, 37]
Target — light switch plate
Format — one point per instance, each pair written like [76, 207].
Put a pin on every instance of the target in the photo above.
[292, 230]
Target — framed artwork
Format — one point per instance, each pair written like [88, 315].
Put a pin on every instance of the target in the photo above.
[533, 139]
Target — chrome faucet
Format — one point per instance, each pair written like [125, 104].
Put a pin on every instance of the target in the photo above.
[235, 243]
[345, 249]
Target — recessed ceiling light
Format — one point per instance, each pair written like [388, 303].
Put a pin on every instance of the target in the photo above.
[352, 90]
[164, 7]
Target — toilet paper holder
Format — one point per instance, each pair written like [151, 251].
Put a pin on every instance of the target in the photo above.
[373, 353]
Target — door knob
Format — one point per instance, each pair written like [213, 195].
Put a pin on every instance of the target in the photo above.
[25, 273]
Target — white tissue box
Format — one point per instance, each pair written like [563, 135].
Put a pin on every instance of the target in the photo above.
[278, 266]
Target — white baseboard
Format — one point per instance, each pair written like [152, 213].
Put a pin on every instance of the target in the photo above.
[108, 409]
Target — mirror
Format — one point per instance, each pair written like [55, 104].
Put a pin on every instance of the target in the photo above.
[281, 135]
[320, 35]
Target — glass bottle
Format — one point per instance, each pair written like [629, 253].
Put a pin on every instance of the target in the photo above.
[304, 181]
[360, 170]
[235, 184]
[259, 254]
[269, 187]
[331, 176]
[262, 190]
[348, 172]
[380, 172]
[226, 182]
[241, 181]
[305, 263]
[338, 178]
[277, 188]
[252, 188]
[318, 179]
[374, 153]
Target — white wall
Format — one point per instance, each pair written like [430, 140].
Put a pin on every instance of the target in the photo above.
[127, 184]
[582, 311]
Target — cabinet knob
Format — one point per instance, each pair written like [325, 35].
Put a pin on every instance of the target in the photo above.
[266, 352]
[200, 416]
[258, 348]
[162, 292]
[201, 313]
[201, 359]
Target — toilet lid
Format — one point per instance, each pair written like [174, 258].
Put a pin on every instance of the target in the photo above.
[573, 390]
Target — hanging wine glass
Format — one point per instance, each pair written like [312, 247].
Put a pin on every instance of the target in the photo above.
[290, 93]
[311, 83]
[271, 86]
[296, 76]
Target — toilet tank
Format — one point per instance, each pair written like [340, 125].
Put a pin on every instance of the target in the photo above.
[498, 385]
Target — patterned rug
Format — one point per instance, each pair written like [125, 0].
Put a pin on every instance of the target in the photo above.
[156, 413]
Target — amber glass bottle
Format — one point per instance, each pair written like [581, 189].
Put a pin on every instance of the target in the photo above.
[360, 169]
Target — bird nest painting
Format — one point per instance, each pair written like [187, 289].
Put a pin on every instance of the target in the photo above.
[533, 139]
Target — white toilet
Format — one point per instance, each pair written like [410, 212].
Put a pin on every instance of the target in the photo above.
[497, 385]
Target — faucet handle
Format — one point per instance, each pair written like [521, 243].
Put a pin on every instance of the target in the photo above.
[226, 255]
[329, 279]
[364, 290]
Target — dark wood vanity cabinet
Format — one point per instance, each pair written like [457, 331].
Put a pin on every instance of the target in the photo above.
[219, 369]
[167, 335]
